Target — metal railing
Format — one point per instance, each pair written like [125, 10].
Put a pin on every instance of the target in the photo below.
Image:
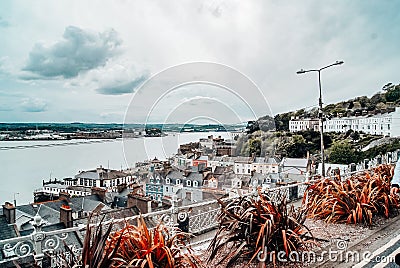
[196, 218]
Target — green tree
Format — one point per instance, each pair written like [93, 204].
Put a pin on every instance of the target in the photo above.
[255, 147]
[393, 94]
[342, 153]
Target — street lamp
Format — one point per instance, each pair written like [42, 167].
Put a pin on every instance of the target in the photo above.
[321, 121]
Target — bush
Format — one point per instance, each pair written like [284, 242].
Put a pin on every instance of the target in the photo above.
[248, 226]
[355, 200]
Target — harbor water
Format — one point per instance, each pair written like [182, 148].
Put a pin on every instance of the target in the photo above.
[24, 164]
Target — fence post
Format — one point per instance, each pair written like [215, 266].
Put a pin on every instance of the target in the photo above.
[38, 236]
[174, 213]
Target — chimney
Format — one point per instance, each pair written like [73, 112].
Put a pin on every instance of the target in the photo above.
[66, 216]
[9, 212]
[143, 203]
[65, 197]
[100, 192]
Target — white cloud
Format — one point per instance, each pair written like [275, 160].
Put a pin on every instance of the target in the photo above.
[34, 105]
[266, 40]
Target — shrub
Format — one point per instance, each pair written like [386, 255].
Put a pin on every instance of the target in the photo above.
[132, 246]
[141, 247]
[248, 226]
[355, 200]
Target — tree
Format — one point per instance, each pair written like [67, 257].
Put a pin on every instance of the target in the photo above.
[393, 94]
[255, 147]
[342, 153]
[282, 121]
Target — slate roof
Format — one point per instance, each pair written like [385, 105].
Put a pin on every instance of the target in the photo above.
[28, 209]
[294, 162]
[267, 160]
[6, 230]
[102, 174]
[243, 159]
[195, 176]
[174, 174]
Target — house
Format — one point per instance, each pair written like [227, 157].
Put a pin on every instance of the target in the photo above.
[9, 229]
[154, 185]
[173, 182]
[101, 177]
[81, 184]
[200, 160]
[295, 169]
[243, 165]
[386, 124]
[302, 124]
[247, 165]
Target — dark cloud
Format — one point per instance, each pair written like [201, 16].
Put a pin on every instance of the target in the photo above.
[79, 51]
[122, 88]
[34, 105]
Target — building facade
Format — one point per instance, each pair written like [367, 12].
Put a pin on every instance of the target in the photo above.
[386, 124]
[303, 124]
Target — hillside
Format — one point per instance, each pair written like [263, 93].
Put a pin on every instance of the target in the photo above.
[341, 148]
[384, 101]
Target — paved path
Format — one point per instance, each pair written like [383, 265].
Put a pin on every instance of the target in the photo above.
[376, 251]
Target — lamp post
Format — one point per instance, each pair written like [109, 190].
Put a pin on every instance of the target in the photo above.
[321, 120]
[15, 200]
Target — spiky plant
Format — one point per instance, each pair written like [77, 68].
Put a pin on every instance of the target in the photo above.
[138, 246]
[95, 251]
[249, 226]
[355, 200]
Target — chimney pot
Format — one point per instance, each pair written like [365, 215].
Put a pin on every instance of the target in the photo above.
[9, 212]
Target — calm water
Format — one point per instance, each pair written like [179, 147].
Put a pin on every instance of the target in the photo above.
[24, 169]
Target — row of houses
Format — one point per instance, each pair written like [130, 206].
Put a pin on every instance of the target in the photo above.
[386, 124]
[81, 184]
[193, 178]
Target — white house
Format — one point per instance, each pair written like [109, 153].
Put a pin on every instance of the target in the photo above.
[263, 165]
[296, 124]
[387, 124]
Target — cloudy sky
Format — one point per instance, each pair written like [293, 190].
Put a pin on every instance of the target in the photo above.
[68, 61]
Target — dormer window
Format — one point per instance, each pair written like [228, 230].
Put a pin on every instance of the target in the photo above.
[189, 183]
[168, 181]
[195, 183]
[178, 181]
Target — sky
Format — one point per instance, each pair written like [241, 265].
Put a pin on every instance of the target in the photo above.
[90, 61]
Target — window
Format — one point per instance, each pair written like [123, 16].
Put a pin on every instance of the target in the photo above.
[166, 189]
[212, 184]
[195, 183]
[178, 181]
[168, 181]
[188, 183]
[151, 181]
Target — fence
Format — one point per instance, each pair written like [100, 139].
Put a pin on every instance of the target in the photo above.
[196, 219]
